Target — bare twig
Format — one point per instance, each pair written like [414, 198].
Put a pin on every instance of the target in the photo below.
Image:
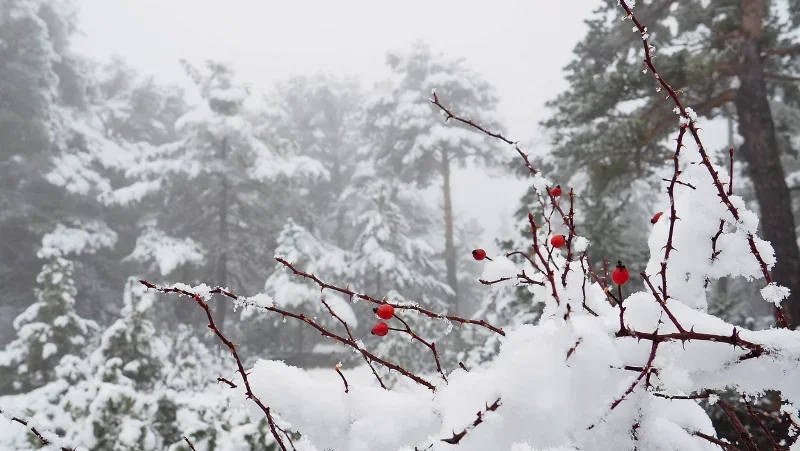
[310, 321]
[338, 369]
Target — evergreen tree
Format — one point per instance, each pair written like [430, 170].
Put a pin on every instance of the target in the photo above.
[390, 257]
[318, 117]
[611, 128]
[295, 341]
[412, 144]
[214, 189]
[47, 330]
[39, 77]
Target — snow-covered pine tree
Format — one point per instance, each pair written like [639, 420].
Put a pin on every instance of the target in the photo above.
[410, 142]
[293, 342]
[318, 117]
[47, 330]
[392, 258]
[612, 138]
[40, 78]
[213, 189]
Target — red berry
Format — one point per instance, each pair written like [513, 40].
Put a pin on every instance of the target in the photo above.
[557, 241]
[620, 274]
[380, 329]
[385, 311]
[556, 191]
[479, 254]
[656, 217]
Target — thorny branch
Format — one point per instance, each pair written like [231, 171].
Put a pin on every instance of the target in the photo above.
[368, 298]
[232, 347]
[457, 436]
[762, 425]
[301, 317]
[737, 424]
[692, 127]
[714, 252]
[755, 350]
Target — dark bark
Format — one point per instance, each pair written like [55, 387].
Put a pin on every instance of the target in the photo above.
[449, 244]
[763, 159]
[222, 264]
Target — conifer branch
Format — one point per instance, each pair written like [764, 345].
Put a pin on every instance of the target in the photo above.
[47, 438]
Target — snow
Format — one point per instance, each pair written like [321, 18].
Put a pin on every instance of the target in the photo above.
[554, 393]
[498, 268]
[580, 244]
[87, 237]
[774, 294]
[49, 349]
[165, 252]
[348, 421]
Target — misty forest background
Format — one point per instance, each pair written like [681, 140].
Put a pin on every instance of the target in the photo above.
[108, 176]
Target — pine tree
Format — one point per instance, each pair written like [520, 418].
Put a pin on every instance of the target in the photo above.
[412, 144]
[318, 117]
[47, 330]
[292, 341]
[611, 127]
[216, 186]
[38, 78]
[391, 257]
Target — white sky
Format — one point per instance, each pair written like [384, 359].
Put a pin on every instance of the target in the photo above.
[519, 46]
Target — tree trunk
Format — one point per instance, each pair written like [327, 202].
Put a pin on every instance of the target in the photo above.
[337, 181]
[763, 158]
[449, 244]
[222, 265]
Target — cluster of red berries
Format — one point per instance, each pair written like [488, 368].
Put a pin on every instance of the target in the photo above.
[384, 311]
[620, 275]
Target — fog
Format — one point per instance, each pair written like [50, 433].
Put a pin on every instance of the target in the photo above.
[520, 47]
